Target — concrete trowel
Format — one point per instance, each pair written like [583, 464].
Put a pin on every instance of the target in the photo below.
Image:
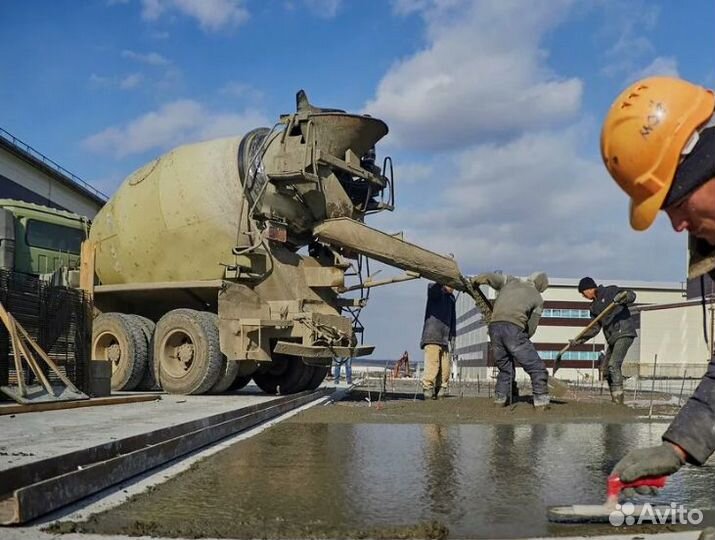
[610, 511]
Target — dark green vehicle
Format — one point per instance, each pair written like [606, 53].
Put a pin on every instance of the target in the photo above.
[39, 240]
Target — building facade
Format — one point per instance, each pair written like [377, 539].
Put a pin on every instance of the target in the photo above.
[566, 313]
[29, 176]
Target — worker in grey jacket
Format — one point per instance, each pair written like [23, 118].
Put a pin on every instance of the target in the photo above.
[618, 328]
[516, 314]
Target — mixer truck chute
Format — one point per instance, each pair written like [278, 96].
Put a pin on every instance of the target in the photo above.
[209, 242]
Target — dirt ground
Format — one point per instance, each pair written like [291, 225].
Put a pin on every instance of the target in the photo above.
[476, 410]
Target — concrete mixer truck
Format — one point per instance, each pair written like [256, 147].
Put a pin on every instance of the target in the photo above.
[226, 260]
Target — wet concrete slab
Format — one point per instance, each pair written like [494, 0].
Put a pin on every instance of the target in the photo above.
[329, 473]
[30, 437]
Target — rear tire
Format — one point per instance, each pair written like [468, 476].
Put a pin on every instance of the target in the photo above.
[319, 374]
[187, 350]
[286, 374]
[120, 340]
[147, 326]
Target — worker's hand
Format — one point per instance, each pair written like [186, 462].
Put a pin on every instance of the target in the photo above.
[662, 460]
[621, 298]
[481, 279]
[573, 342]
[452, 345]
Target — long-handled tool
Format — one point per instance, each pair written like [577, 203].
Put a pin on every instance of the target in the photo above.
[583, 332]
[601, 513]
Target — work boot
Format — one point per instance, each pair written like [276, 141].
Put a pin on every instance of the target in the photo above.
[429, 394]
[499, 400]
[443, 393]
[617, 396]
[542, 401]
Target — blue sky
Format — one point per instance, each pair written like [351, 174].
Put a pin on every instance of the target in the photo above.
[494, 109]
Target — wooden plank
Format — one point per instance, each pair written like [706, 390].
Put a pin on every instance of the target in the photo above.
[46, 358]
[61, 405]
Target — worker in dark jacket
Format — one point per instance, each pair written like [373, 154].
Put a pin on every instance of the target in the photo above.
[658, 143]
[438, 333]
[618, 328]
[516, 314]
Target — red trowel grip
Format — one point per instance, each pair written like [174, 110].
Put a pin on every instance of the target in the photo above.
[616, 485]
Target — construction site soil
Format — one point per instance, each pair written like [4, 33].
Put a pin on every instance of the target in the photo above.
[459, 468]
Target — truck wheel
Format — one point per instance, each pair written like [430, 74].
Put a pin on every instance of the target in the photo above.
[239, 382]
[229, 369]
[120, 341]
[186, 347]
[285, 374]
[319, 374]
[149, 381]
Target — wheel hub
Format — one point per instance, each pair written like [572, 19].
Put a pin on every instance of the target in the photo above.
[114, 353]
[185, 354]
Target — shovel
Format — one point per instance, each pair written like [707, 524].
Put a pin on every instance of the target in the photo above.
[593, 323]
[610, 510]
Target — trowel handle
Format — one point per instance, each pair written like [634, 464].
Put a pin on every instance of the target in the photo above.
[616, 485]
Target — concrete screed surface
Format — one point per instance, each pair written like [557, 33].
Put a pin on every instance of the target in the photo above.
[34, 436]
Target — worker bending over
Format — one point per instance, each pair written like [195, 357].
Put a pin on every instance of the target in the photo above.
[516, 314]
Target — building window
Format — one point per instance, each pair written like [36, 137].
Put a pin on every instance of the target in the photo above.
[571, 355]
[41, 234]
[566, 313]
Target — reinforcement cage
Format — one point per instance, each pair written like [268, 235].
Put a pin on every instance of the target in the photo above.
[59, 319]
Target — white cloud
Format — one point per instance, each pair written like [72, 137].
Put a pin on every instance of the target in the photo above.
[534, 203]
[662, 65]
[241, 90]
[326, 9]
[482, 74]
[407, 7]
[99, 80]
[413, 173]
[172, 124]
[212, 15]
[151, 58]
[625, 34]
[131, 81]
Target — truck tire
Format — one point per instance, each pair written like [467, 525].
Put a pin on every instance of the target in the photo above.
[319, 374]
[187, 351]
[120, 341]
[229, 369]
[285, 375]
[147, 326]
[239, 382]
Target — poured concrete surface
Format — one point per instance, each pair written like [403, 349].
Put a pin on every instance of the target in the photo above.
[312, 477]
[34, 436]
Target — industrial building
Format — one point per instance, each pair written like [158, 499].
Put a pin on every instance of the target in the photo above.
[28, 175]
[565, 314]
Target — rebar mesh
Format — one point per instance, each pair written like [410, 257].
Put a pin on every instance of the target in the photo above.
[57, 318]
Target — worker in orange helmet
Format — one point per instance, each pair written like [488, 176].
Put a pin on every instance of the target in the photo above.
[658, 144]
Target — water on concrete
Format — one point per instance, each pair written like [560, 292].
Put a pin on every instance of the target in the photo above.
[309, 479]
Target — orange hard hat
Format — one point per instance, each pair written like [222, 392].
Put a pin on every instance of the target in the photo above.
[643, 137]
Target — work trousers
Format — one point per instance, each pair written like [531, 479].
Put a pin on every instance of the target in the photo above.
[511, 344]
[614, 360]
[437, 366]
